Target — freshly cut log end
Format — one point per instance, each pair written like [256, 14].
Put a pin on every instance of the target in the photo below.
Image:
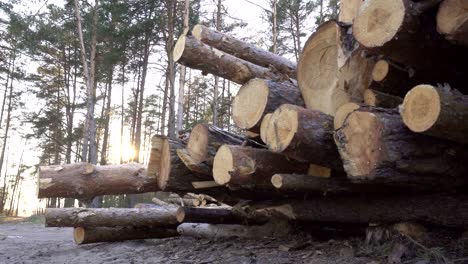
[223, 165]
[421, 108]
[436, 111]
[283, 126]
[349, 10]
[165, 163]
[277, 181]
[197, 145]
[249, 103]
[342, 113]
[379, 21]
[197, 31]
[452, 20]
[179, 47]
[318, 70]
[380, 70]
[89, 235]
[180, 214]
[264, 126]
[259, 97]
[379, 99]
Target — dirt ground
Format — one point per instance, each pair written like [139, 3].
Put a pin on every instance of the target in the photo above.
[26, 242]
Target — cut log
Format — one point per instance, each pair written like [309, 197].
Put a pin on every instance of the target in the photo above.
[219, 216]
[259, 97]
[452, 21]
[169, 170]
[349, 10]
[264, 126]
[89, 235]
[343, 113]
[194, 54]
[243, 50]
[391, 78]
[376, 146]
[312, 184]
[236, 165]
[205, 140]
[84, 181]
[145, 205]
[330, 71]
[436, 209]
[379, 99]
[436, 111]
[405, 32]
[271, 229]
[111, 217]
[194, 166]
[304, 135]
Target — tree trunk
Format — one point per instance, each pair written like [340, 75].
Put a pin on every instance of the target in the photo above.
[273, 229]
[349, 9]
[237, 165]
[330, 71]
[172, 9]
[379, 99]
[259, 97]
[405, 32]
[105, 140]
[180, 99]
[111, 217]
[452, 21]
[244, 51]
[196, 55]
[89, 235]
[219, 216]
[437, 111]
[205, 140]
[437, 209]
[85, 181]
[375, 146]
[304, 135]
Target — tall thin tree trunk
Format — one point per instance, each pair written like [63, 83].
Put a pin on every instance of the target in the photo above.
[122, 113]
[216, 80]
[7, 125]
[172, 7]
[107, 118]
[16, 183]
[180, 100]
[4, 195]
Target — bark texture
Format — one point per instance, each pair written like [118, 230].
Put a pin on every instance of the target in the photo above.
[111, 217]
[85, 181]
[219, 216]
[90, 235]
[192, 53]
[379, 99]
[259, 97]
[245, 51]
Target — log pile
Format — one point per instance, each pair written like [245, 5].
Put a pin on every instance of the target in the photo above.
[366, 128]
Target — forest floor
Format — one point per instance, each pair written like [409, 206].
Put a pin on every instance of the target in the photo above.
[28, 241]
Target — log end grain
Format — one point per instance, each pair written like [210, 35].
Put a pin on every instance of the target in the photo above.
[277, 181]
[452, 15]
[380, 70]
[160, 161]
[362, 149]
[179, 48]
[180, 215]
[342, 113]
[198, 143]
[318, 70]
[378, 22]
[222, 166]
[249, 104]
[421, 108]
[264, 126]
[197, 31]
[283, 126]
[79, 234]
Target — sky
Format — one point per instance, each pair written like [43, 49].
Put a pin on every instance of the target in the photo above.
[239, 9]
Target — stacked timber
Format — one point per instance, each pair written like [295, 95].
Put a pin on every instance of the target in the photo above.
[367, 128]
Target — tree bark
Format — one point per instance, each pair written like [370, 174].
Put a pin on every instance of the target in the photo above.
[85, 181]
[258, 97]
[245, 51]
[111, 217]
[405, 32]
[375, 146]
[228, 231]
[219, 216]
[237, 165]
[436, 111]
[205, 140]
[90, 235]
[304, 135]
[331, 72]
[182, 70]
[436, 209]
[379, 99]
[196, 55]
[452, 21]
